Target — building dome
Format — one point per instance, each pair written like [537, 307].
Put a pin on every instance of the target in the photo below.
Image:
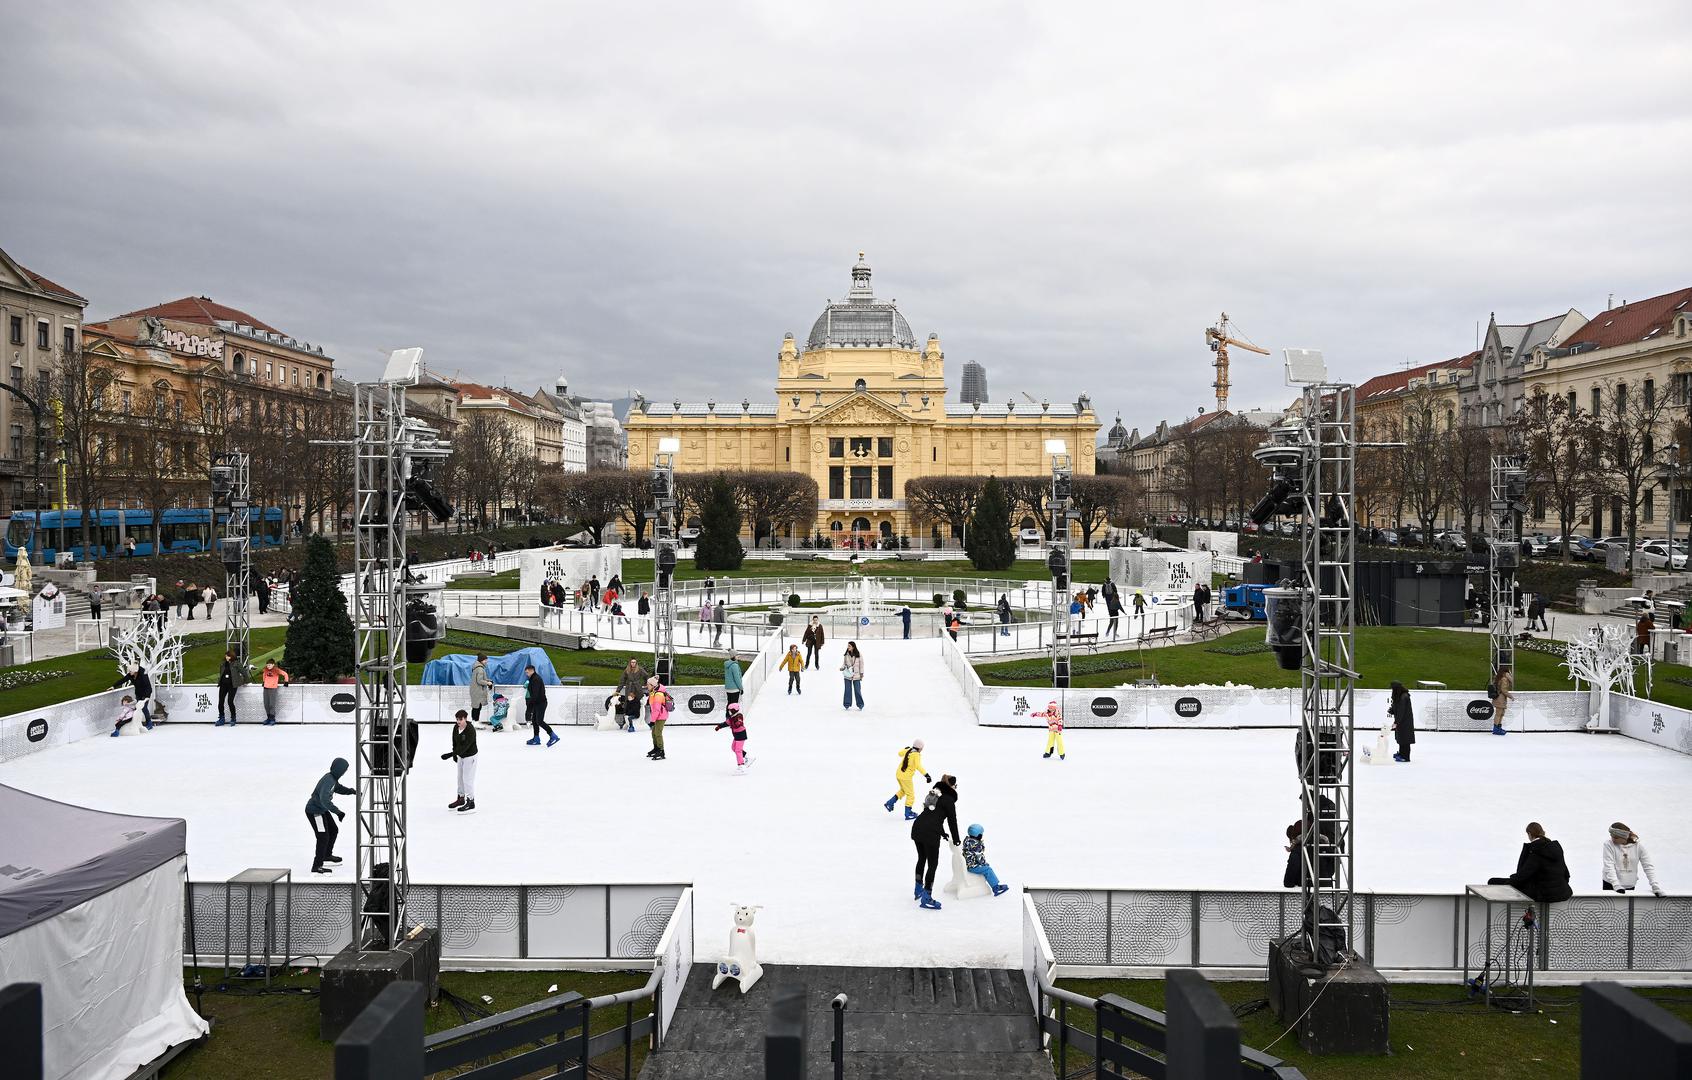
[861, 321]
[1118, 435]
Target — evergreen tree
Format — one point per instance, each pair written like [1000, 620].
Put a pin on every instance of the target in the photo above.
[990, 545]
[719, 529]
[320, 644]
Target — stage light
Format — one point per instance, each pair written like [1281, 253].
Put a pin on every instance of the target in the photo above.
[1284, 608]
[421, 497]
[1058, 563]
[231, 550]
[422, 631]
[403, 366]
[666, 559]
[1056, 446]
[1273, 500]
[222, 483]
[669, 445]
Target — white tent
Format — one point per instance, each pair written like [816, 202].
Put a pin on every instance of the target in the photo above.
[91, 908]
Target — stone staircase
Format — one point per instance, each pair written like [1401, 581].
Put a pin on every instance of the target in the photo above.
[904, 1023]
[1682, 593]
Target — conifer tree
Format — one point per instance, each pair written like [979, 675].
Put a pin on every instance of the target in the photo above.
[990, 545]
[320, 644]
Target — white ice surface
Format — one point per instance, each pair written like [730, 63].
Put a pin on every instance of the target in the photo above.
[804, 833]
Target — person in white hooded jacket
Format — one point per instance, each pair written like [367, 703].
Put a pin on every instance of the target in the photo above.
[1624, 857]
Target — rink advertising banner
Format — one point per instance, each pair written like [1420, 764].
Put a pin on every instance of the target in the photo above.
[571, 567]
[1651, 722]
[41, 729]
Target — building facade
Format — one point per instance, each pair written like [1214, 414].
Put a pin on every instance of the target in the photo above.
[1490, 390]
[861, 408]
[572, 429]
[42, 324]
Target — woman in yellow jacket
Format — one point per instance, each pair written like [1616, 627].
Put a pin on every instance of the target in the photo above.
[793, 664]
[910, 763]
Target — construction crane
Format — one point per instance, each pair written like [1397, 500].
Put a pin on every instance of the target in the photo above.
[1220, 337]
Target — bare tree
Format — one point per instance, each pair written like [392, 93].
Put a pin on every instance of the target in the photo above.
[1628, 426]
[81, 396]
[1100, 500]
[1559, 443]
[1470, 454]
[947, 500]
[1027, 496]
[1377, 471]
[769, 499]
[593, 499]
[1424, 466]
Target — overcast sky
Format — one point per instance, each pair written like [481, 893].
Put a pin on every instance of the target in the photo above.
[647, 196]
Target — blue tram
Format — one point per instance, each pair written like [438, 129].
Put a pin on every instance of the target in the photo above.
[179, 530]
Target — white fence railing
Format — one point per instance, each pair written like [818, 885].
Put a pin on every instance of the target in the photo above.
[435, 573]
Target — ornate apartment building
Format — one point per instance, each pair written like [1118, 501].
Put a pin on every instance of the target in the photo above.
[41, 323]
[860, 406]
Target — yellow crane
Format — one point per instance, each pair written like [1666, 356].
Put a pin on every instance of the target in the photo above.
[1220, 337]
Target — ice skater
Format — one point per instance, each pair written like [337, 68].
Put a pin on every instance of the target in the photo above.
[534, 707]
[1624, 857]
[1403, 722]
[501, 708]
[794, 665]
[273, 676]
[480, 687]
[464, 752]
[812, 639]
[736, 723]
[732, 684]
[852, 670]
[322, 812]
[910, 763]
[1053, 716]
[125, 714]
[631, 687]
[143, 685]
[975, 858]
[939, 809]
[657, 714]
[229, 677]
[1503, 682]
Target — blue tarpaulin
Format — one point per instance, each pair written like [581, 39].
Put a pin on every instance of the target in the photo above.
[507, 670]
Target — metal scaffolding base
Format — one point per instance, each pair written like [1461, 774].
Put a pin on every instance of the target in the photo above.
[1340, 1010]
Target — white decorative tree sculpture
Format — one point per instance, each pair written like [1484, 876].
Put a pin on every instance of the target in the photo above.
[1603, 659]
[150, 644]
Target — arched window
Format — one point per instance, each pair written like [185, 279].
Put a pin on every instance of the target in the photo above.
[860, 385]
[887, 528]
[835, 526]
[320, 380]
[860, 524]
[240, 364]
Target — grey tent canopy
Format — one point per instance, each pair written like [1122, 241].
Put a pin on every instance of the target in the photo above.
[57, 856]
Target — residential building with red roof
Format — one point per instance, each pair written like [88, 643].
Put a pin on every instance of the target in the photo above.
[40, 324]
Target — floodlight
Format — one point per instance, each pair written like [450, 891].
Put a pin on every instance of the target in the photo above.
[1283, 633]
[403, 366]
[1056, 446]
[1305, 366]
[669, 446]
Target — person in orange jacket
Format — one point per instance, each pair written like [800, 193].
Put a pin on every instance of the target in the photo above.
[1054, 725]
[272, 676]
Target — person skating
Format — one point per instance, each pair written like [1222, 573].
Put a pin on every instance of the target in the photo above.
[464, 753]
[736, 723]
[905, 621]
[228, 679]
[1503, 682]
[1541, 874]
[813, 642]
[975, 859]
[1113, 608]
[939, 809]
[719, 616]
[273, 677]
[1139, 603]
[322, 813]
[657, 714]
[534, 706]
[125, 714]
[143, 686]
[1053, 716]
[1624, 856]
[910, 763]
[1004, 617]
[731, 679]
[480, 687]
[852, 671]
[501, 708]
[1403, 721]
[794, 665]
[631, 688]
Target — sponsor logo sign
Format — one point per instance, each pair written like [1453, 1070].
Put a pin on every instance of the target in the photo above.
[1188, 707]
[343, 703]
[37, 729]
[700, 704]
[1479, 709]
[1104, 706]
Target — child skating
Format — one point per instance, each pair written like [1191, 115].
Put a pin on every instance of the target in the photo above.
[736, 723]
[657, 713]
[910, 763]
[501, 706]
[975, 859]
[1054, 727]
[125, 715]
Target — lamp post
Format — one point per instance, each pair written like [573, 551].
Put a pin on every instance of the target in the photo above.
[1672, 451]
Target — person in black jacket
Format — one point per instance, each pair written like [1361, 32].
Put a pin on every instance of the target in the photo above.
[143, 693]
[1403, 721]
[227, 681]
[262, 588]
[1541, 873]
[534, 706]
[939, 809]
[322, 812]
[464, 752]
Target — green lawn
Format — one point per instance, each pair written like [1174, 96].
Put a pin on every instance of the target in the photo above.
[1430, 1040]
[597, 667]
[275, 1035]
[1092, 570]
[1384, 653]
[505, 579]
[92, 671]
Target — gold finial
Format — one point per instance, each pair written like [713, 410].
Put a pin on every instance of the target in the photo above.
[860, 256]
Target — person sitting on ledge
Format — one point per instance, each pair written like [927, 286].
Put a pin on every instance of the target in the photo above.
[1541, 874]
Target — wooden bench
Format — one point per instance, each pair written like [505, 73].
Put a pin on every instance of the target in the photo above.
[1158, 632]
[1088, 640]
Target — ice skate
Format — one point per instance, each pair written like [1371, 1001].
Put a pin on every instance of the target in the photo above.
[456, 803]
[890, 803]
[147, 725]
[1001, 889]
[220, 722]
[320, 869]
[469, 807]
[916, 893]
[533, 742]
[929, 902]
[910, 815]
[1497, 730]
[332, 858]
[551, 739]
[1047, 754]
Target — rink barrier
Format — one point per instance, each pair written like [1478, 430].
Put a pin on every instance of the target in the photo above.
[1412, 936]
[611, 925]
[435, 573]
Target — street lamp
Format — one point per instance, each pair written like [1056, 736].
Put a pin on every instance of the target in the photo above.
[1672, 451]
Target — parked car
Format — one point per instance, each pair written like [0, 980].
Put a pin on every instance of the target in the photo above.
[1655, 554]
[1538, 544]
[1450, 540]
[1029, 536]
[1576, 543]
[688, 535]
[1599, 550]
[1389, 537]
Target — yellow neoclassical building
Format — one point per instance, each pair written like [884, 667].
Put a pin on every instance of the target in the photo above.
[861, 407]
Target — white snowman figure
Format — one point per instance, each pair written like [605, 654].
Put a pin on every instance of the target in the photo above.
[741, 960]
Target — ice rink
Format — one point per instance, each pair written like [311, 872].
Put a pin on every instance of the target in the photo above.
[805, 835]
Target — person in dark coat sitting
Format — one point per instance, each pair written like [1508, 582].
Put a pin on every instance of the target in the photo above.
[1403, 721]
[1541, 873]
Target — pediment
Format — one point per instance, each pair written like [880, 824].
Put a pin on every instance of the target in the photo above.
[860, 408]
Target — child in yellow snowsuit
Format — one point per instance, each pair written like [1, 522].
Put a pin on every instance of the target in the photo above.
[1054, 724]
[910, 763]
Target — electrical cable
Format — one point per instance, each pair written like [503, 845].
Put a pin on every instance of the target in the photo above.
[1324, 989]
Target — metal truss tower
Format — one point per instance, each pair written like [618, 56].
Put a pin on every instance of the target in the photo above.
[1504, 554]
[1058, 561]
[385, 447]
[664, 547]
[1328, 677]
[231, 494]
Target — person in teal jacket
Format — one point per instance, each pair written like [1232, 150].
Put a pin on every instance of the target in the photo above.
[322, 812]
[731, 678]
